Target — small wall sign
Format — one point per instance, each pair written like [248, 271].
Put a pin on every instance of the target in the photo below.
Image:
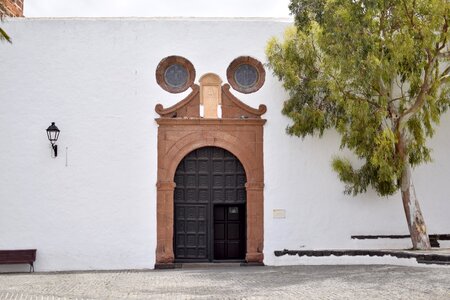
[279, 214]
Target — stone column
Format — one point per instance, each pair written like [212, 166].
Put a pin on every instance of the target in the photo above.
[164, 221]
[255, 222]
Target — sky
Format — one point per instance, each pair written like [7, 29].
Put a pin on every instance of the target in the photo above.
[156, 8]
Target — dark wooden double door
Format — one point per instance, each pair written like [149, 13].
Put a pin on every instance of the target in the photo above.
[210, 210]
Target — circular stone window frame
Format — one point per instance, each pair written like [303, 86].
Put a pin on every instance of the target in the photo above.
[246, 60]
[168, 61]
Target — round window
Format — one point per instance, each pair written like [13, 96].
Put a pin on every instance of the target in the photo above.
[175, 74]
[246, 74]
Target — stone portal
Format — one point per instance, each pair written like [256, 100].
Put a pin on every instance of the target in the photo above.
[182, 130]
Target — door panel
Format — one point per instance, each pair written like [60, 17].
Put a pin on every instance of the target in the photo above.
[207, 178]
[229, 232]
[191, 231]
[233, 231]
[233, 250]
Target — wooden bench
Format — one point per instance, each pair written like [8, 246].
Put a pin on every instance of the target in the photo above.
[26, 256]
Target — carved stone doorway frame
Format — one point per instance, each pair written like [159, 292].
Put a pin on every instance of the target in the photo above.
[182, 130]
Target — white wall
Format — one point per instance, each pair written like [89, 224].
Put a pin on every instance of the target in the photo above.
[93, 207]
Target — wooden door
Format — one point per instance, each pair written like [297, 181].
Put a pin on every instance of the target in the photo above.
[206, 178]
[229, 232]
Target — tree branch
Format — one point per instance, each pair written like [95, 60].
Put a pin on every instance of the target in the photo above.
[410, 16]
[444, 79]
[396, 99]
[444, 73]
[444, 54]
[444, 31]
[352, 96]
[421, 97]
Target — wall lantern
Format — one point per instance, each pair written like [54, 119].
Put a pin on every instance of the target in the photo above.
[53, 134]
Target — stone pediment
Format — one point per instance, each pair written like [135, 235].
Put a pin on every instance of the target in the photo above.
[230, 106]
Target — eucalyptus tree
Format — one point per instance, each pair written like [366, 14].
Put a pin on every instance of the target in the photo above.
[377, 72]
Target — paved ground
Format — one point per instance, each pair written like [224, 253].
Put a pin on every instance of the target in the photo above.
[296, 282]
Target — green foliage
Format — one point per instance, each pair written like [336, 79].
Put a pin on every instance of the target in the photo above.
[374, 70]
[3, 35]
[306, 10]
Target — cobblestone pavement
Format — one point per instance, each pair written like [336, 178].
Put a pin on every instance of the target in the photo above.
[294, 282]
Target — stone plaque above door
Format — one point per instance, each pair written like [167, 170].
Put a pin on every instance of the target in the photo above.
[210, 96]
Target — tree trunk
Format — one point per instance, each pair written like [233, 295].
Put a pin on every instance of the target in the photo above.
[414, 217]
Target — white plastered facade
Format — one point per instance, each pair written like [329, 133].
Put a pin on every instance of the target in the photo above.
[94, 206]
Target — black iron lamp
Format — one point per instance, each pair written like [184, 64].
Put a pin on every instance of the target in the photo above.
[53, 134]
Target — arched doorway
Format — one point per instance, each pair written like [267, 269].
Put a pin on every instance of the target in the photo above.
[182, 130]
[210, 207]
